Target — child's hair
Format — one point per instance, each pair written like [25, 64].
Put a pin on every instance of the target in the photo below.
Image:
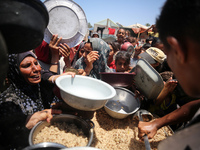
[115, 46]
[123, 55]
[166, 75]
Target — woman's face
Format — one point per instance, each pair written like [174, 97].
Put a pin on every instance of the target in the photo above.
[87, 49]
[81, 51]
[122, 65]
[30, 70]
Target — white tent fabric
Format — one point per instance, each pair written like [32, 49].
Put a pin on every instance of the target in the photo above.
[107, 23]
[137, 25]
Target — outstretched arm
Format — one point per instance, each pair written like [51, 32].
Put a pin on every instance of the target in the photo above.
[182, 114]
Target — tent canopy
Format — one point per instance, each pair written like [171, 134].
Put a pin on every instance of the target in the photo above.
[107, 29]
[138, 28]
[137, 25]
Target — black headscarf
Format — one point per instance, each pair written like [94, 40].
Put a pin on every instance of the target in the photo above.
[19, 100]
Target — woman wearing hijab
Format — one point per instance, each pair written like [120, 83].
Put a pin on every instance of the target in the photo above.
[26, 101]
[78, 54]
[94, 60]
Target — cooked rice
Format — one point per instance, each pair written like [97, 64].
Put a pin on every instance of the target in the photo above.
[121, 134]
[68, 135]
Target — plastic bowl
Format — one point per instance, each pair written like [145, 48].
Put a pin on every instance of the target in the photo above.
[84, 93]
[123, 104]
[117, 79]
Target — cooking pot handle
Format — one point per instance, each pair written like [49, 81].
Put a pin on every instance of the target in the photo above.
[90, 123]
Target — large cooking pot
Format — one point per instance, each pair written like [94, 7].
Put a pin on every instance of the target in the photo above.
[86, 126]
[45, 146]
[23, 23]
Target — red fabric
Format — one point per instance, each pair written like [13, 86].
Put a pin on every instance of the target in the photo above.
[71, 54]
[112, 65]
[42, 52]
[111, 31]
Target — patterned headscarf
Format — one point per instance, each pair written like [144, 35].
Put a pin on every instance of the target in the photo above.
[30, 98]
[99, 65]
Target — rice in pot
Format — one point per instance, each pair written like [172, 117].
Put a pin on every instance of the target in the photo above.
[68, 135]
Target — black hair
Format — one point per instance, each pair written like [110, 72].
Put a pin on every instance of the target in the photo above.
[155, 41]
[123, 55]
[121, 29]
[89, 42]
[115, 46]
[180, 19]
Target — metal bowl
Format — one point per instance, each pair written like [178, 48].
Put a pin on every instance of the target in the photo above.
[84, 93]
[45, 146]
[117, 79]
[68, 20]
[123, 104]
[81, 148]
[86, 126]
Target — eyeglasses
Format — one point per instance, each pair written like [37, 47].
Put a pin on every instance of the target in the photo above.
[82, 51]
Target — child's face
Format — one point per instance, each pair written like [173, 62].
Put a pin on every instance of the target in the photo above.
[122, 65]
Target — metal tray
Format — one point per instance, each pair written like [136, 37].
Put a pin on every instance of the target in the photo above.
[68, 20]
[147, 80]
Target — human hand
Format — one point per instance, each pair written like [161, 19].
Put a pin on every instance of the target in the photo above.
[53, 44]
[170, 85]
[81, 71]
[64, 49]
[139, 95]
[147, 128]
[90, 58]
[69, 73]
[46, 114]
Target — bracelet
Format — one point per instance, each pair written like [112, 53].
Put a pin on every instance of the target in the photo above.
[54, 63]
[52, 80]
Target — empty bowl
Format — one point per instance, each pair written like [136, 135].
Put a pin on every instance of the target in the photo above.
[123, 104]
[83, 92]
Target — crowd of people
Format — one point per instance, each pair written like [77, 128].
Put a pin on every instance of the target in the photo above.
[31, 94]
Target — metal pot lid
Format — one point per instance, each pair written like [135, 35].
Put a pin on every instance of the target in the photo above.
[147, 80]
[68, 20]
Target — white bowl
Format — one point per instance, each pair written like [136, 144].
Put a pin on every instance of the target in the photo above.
[84, 93]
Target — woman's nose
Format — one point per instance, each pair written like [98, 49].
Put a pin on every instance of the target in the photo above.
[36, 67]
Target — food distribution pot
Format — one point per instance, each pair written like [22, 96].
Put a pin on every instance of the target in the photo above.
[86, 126]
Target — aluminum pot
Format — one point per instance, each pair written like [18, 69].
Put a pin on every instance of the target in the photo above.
[123, 104]
[23, 23]
[81, 148]
[45, 146]
[86, 125]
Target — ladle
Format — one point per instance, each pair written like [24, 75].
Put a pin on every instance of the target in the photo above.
[139, 114]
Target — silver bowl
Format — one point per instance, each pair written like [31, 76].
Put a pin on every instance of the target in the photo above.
[84, 93]
[123, 104]
[86, 126]
[45, 146]
[81, 148]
